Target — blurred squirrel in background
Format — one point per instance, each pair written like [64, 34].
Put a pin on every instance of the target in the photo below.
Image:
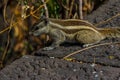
[73, 30]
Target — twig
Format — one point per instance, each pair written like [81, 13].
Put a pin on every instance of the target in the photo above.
[31, 12]
[35, 16]
[67, 11]
[8, 40]
[24, 9]
[46, 9]
[102, 22]
[24, 18]
[37, 9]
[4, 11]
[61, 4]
[71, 8]
[80, 9]
[89, 48]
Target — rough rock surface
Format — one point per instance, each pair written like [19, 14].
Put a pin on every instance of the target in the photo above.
[44, 68]
[107, 10]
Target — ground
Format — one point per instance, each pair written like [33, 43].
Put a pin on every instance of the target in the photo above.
[98, 63]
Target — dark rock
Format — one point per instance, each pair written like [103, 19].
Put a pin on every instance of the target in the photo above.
[44, 68]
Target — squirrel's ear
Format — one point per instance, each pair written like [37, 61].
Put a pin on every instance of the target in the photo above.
[45, 19]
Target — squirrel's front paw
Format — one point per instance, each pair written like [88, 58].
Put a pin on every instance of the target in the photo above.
[48, 48]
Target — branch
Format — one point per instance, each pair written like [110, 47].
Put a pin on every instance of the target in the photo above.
[80, 9]
[46, 9]
[89, 48]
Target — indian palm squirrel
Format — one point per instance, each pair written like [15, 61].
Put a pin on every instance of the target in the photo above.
[73, 30]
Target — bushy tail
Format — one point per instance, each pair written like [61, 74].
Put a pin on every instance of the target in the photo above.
[110, 32]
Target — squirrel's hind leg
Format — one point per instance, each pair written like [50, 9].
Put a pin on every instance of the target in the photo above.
[88, 37]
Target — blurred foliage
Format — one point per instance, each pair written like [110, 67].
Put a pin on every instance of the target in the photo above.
[20, 15]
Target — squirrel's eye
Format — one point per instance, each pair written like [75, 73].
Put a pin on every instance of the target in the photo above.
[36, 28]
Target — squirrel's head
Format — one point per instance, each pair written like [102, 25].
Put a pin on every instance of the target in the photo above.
[42, 26]
[42, 23]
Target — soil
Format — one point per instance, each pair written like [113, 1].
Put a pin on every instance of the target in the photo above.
[98, 63]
